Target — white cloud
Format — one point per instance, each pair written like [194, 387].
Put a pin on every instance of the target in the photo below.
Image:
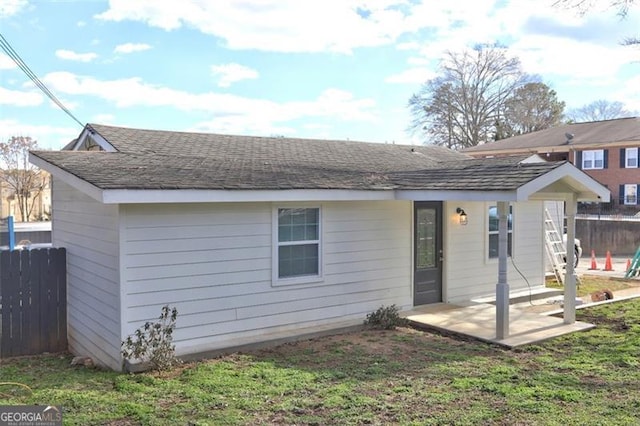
[242, 124]
[48, 137]
[81, 24]
[577, 60]
[230, 111]
[11, 7]
[19, 99]
[73, 56]
[277, 25]
[131, 47]
[230, 73]
[6, 63]
[630, 96]
[103, 118]
[412, 76]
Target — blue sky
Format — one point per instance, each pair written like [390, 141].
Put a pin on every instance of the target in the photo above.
[340, 69]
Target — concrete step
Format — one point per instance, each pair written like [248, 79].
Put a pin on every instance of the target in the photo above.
[521, 296]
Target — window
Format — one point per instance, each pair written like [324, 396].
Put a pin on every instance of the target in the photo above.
[593, 159]
[298, 243]
[631, 155]
[630, 194]
[493, 232]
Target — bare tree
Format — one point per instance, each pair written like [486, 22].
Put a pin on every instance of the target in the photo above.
[20, 176]
[460, 108]
[599, 110]
[621, 7]
[532, 107]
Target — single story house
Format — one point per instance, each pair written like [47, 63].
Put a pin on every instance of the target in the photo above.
[254, 237]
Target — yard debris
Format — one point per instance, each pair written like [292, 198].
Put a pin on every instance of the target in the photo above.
[13, 384]
[82, 360]
[601, 295]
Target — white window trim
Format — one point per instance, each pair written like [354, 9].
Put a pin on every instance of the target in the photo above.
[487, 233]
[627, 156]
[276, 281]
[625, 194]
[593, 159]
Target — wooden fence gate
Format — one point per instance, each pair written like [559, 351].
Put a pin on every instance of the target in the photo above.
[33, 301]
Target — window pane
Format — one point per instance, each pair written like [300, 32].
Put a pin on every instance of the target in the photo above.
[298, 224]
[493, 219]
[298, 260]
[493, 231]
[493, 245]
[426, 241]
[631, 194]
[632, 157]
[593, 159]
[311, 232]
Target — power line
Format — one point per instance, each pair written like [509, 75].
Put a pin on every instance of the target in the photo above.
[6, 47]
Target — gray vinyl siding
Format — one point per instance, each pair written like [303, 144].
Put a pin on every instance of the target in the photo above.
[213, 263]
[89, 231]
[469, 272]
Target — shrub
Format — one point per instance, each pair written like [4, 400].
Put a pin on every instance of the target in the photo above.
[385, 318]
[153, 342]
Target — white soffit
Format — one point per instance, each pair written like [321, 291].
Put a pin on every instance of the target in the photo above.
[564, 180]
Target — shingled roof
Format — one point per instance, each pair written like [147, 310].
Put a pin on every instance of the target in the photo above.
[619, 132]
[153, 159]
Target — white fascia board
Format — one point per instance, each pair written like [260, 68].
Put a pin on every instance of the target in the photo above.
[135, 196]
[79, 184]
[453, 195]
[80, 140]
[588, 189]
[518, 151]
[97, 138]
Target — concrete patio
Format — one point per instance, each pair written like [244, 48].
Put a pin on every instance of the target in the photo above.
[479, 322]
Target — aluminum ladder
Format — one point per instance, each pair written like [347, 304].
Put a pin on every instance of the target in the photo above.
[634, 268]
[556, 250]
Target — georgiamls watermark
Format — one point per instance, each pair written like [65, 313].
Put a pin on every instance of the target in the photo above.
[30, 415]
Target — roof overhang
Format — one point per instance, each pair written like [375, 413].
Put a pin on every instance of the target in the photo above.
[561, 181]
[556, 184]
[490, 151]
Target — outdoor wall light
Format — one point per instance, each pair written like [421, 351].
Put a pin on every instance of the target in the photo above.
[463, 216]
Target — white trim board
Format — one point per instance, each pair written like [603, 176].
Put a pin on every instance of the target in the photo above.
[97, 138]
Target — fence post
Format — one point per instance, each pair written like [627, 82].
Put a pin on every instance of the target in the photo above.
[12, 236]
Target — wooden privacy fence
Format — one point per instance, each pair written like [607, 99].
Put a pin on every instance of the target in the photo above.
[33, 301]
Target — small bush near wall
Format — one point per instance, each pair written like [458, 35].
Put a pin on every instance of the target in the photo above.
[153, 343]
[385, 318]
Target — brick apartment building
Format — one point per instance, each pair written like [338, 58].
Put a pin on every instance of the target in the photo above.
[609, 151]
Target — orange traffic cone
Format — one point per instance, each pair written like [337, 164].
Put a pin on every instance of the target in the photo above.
[594, 265]
[607, 262]
[628, 265]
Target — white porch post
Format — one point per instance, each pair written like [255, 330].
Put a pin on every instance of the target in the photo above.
[569, 279]
[502, 288]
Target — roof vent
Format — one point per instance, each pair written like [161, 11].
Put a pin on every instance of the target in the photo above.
[569, 137]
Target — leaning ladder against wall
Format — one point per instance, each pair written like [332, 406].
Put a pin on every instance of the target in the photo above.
[556, 248]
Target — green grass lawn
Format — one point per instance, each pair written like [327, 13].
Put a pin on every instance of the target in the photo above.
[369, 377]
[590, 283]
